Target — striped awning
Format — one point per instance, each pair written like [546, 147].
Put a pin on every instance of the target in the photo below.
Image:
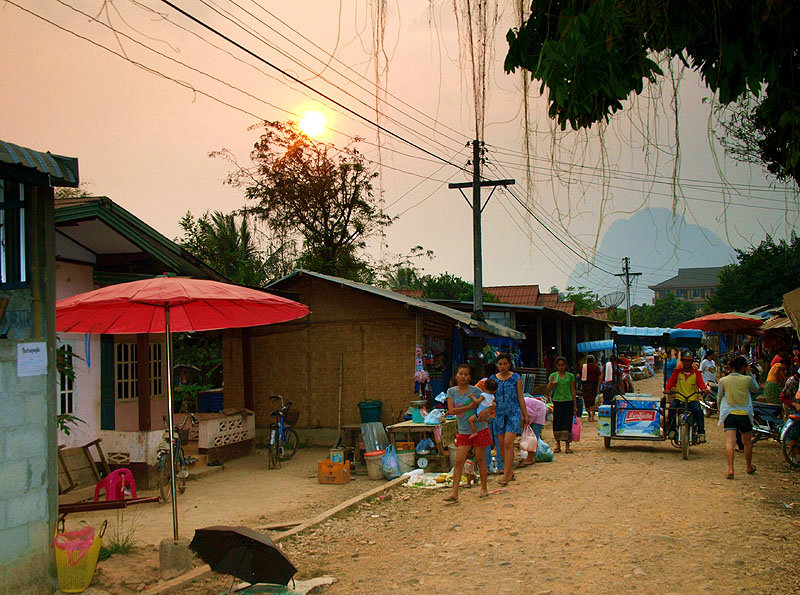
[53, 170]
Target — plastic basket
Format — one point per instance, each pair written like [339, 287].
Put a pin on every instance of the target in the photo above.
[75, 573]
[370, 411]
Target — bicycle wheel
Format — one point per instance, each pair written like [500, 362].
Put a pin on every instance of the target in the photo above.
[164, 487]
[684, 438]
[290, 446]
[790, 445]
[272, 452]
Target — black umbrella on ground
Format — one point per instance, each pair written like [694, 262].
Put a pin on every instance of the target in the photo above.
[243, 553]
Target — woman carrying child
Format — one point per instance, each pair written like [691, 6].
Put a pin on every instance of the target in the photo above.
[511, 415]
[462, 400]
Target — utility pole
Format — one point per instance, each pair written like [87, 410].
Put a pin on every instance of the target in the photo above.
[477, 209]
[626, 273]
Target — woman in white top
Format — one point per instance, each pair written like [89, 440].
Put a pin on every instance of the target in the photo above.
[736, 411]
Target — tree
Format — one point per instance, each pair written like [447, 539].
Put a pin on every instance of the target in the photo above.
[585, 300]
[665, 312]
[445, 286]
[592, 54]
[760, 277]
[316, 193]
[225, 243]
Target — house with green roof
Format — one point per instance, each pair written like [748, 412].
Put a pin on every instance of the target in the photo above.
[119, 388]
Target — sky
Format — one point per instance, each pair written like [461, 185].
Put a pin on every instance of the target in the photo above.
[142, 126]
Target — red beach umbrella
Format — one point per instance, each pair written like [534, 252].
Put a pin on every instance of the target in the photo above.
[724, 322]
[167, 304]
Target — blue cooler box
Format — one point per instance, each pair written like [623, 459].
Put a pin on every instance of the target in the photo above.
[638, 415]
[604, 420]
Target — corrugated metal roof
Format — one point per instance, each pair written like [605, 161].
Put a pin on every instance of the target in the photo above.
[61, 171]
[460, 317]
[523, 295]
[777, 322]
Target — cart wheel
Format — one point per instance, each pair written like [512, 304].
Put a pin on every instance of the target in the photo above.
[606, 441]
[684, 438]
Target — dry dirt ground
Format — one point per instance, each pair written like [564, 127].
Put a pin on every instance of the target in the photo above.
[633, 519]
[244, 493]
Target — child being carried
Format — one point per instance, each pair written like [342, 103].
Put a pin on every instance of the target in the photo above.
[485, 401]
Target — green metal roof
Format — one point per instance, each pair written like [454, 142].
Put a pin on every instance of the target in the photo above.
[44, 169]
[139, 233]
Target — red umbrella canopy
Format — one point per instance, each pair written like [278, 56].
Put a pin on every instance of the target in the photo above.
[194, 305]
[724, 322]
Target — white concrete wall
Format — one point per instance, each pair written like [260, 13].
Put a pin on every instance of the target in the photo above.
[72, 279]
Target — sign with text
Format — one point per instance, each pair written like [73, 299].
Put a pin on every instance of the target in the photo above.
[31, 359]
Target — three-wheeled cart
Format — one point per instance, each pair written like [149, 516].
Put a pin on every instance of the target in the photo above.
[640, 416]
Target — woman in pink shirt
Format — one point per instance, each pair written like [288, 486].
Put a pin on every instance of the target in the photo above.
[537, 413]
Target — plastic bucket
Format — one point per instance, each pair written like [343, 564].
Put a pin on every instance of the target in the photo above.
[370, 411]
[452, 451]
[406, 460]
[374, 461]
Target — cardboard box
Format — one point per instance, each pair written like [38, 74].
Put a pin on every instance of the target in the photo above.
[333, 473]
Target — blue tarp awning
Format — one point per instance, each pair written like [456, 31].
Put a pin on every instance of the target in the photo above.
[587, 346]
[639, 335]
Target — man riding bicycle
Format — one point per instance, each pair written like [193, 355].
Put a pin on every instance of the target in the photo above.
[687, 383]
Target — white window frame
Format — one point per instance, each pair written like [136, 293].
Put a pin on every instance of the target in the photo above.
[126, 371]
[66, 386]
[156, 369]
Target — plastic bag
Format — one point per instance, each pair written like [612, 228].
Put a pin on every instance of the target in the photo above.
[576, 429]
[425, 444]
[391, 466]
[441, 398]
[528, 442]
[544, 454]
[435, 417]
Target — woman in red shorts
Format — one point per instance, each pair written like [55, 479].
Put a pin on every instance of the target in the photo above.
[462, 399]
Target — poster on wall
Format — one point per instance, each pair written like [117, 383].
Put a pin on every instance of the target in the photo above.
[31, 359]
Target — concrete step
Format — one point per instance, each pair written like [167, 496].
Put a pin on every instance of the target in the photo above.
[197, 472]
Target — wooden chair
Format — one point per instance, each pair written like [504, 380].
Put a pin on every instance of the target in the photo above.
[78, 473]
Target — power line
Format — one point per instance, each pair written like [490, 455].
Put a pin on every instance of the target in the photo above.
[309, 87]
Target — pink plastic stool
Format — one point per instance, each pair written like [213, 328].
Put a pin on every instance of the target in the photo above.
[114, 485]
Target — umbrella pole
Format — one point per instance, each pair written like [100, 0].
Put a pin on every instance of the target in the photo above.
[171, 429]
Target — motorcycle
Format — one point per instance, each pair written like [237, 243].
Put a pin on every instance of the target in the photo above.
[687, 433]
[767, 421]
[790, 441]
[708, 401]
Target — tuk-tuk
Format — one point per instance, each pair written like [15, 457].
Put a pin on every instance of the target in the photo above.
[640, 416]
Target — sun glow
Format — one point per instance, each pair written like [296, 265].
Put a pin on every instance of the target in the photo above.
[313, 123]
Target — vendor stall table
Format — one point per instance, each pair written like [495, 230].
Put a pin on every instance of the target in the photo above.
[446, 435]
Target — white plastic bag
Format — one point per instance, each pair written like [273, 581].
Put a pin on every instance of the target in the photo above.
[528, 442]
[436, 416]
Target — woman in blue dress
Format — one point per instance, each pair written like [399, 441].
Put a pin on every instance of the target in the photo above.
[511, 414]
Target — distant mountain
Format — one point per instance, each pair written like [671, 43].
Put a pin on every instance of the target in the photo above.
[658, 243]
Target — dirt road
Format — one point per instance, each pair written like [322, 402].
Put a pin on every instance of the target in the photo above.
[632, 519]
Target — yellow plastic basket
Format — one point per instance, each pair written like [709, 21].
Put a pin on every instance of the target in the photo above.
[76, 578]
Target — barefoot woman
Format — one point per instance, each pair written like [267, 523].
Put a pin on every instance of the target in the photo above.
[511, 415]
[461, 400]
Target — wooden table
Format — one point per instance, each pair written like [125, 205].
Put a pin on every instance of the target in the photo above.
[449, 428]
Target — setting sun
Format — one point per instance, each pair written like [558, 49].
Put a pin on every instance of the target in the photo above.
[313, 123]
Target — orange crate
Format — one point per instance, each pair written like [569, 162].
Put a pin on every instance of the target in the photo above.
[333, 473]
[405, 446]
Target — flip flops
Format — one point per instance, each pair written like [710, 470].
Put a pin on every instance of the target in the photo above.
[753, 470]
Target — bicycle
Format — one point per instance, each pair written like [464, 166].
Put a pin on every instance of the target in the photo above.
[283, 440]
[181, 461]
